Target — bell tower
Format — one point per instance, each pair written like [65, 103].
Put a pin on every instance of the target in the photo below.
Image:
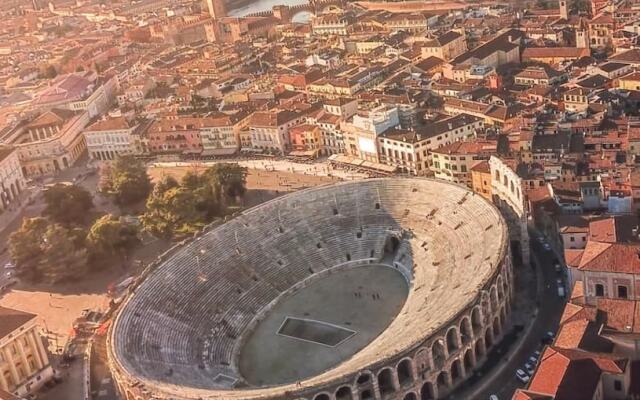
[216, 8]
[564, 10]
[582, 35]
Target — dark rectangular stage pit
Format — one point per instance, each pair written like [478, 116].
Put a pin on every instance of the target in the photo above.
[314, 331]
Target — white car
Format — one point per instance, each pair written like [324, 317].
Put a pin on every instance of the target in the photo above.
[9, 266]
[493, 397]
[522, 376]
[546, 246]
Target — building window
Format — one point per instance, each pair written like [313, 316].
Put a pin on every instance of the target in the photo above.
[599, 290]
[622, 292]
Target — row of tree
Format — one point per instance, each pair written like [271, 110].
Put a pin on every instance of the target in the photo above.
[67, 241]
[58, 247]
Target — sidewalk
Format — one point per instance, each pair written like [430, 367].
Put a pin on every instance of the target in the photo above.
[15, 209]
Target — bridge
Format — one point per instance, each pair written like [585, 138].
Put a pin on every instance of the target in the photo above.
[286, 13]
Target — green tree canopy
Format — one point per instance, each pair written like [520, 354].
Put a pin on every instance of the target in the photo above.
[126, 180]
[111, 236]
[185, 207]
[67, 204]
[230, 178]
[45, 251]
[174, 209]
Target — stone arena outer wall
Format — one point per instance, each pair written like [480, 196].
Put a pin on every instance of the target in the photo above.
[429, 370]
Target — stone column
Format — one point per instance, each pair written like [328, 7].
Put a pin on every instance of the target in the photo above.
[41, 349]
[445, 350]
[463, 370]
[12, 366]
[4, 384]
[434, 387]
[23, 356]
[449, 380]
[474, 359]
[396, 380]
[375, 387]
[34, 348]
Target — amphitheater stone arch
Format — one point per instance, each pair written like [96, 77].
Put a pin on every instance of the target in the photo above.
[322, 396]
[453, 340]
[438, 353]
[344, 393]
[404, 371]
[386, 381]
[410, 396]
[466, 331]
[476, 320]
[427, 392]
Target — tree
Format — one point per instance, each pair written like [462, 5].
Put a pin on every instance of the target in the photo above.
[110, 236]
[45, 251]
[542, 4]
[49, 72]
[67, 204]
[182, 208]
[128, 182]
[185, 207]
[230, 178]
[105, 184]
[580, 7]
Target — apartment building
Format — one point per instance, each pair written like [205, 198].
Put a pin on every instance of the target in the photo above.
[49, 142]
[453, 162]
[410, 150]
[24, 362]
[109, 138]
[270, 130]
[446, 46]
[12, 181]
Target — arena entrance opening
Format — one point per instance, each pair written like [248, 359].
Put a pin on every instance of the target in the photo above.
[391, 246]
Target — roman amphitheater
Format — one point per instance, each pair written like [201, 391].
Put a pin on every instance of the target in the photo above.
[379, 289]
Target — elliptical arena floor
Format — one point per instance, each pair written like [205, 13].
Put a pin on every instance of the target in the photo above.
[363, 299]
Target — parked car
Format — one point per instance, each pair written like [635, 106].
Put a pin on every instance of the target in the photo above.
[493, 397]
[561, 292]
[6, 284]
[530, 368]
[557, 267]
[548, 337]
[537, 354]
[522, 376]
[546, 246]
[532, 360]
[9, 265]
